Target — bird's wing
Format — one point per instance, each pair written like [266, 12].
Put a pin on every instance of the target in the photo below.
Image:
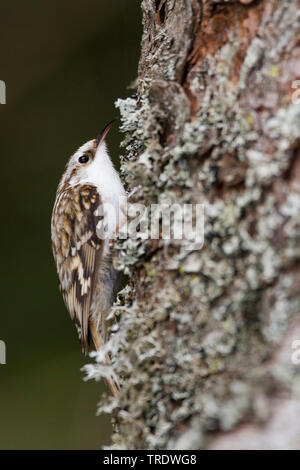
[77, 250]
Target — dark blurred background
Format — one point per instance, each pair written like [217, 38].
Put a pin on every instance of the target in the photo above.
[64, 64]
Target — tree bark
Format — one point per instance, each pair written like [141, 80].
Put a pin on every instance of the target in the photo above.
[204, 344]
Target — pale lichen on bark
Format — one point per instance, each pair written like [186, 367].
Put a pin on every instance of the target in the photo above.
[204, 337]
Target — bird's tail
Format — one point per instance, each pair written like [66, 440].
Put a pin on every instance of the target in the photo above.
[99, 343]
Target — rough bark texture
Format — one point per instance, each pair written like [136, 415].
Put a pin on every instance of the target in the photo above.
[204, 341]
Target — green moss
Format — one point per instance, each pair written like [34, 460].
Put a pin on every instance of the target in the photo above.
[194, 321]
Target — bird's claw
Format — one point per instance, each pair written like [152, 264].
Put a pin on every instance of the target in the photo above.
[133, 191]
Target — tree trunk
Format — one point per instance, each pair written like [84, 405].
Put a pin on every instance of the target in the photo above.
[205, 340]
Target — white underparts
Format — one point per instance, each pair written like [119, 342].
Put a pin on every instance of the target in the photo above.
[102, 174]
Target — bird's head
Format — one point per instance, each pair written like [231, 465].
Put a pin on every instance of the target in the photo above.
[83, 166]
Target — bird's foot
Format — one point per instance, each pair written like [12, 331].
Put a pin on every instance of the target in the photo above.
[133, 191]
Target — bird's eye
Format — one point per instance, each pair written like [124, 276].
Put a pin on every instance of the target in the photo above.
[83, 159]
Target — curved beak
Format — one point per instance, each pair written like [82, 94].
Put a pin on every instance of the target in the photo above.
[104, 132]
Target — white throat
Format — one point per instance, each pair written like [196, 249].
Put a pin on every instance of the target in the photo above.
[102, 174]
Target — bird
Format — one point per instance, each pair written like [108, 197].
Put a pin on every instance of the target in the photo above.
[81, 231]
